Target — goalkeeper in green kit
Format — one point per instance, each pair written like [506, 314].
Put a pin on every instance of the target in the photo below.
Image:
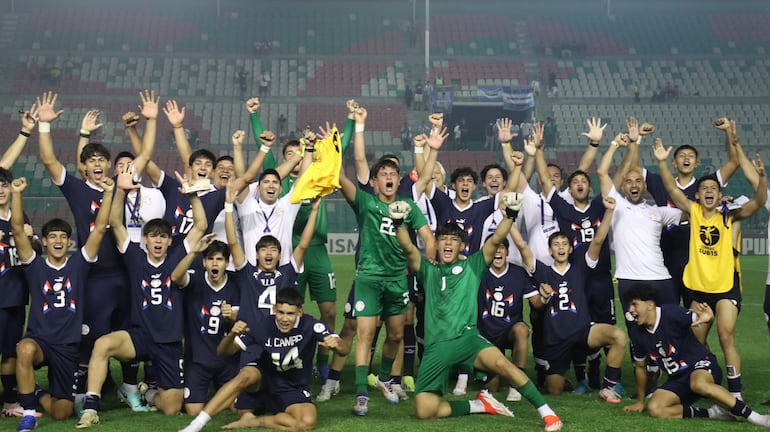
[451, 337]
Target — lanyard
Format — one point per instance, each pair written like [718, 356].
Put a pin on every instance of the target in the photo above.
[429, 214]
[134, 209]
[266, 217]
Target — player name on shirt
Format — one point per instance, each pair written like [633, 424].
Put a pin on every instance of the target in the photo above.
[283, 342]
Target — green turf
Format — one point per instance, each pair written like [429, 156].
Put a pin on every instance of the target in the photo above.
[579, 413]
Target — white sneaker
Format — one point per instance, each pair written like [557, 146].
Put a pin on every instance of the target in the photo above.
[462, 385]
[328, 391]
[513, 395]
[717, 412]
[387, 391]
[399, 391]
[492, 405]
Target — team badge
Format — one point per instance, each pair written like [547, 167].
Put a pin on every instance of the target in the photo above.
[215, 311]
[319, 328]
[360, 305]
[456, 270]
[85, 330]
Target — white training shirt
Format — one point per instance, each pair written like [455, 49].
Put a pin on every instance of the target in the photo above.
[150, 205]
[540, 222]
[259, 219]
[637, 229]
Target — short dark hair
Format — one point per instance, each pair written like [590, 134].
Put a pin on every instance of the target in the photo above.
[450, 228]
[579, 173]
[57, 225]
[94, 149]
[463, 172]
[551, 164]
[201, 154]
[267, 172]
[6, 176]
[705, 177]
[289, 296]
[157, 226]
[685, 147]
[381, 164]
[224, 158]
[486, 169]
[292, 143]
[392, 157]
[123, 154]
[556, 235]
[266, 241]
[640, 291]
[217, 246]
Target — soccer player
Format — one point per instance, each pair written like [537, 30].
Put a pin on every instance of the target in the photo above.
[210, 301]
[451, 336]
[710, 274]
[106, 296]
[380, 284]
[283, 348]
[567, 324]
[665, 334]
[56, 307]
[15, 294]
[156, 306]
[502, 292]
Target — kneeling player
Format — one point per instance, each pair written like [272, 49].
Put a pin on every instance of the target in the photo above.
[664, 334]
[281, 368]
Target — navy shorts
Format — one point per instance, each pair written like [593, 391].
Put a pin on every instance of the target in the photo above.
[104, 304]
[167, 358]
[680, 384]
[62, 362]
[11, 329]
[601, 297]
[266, 401]
[198, 378]
[557, 358]
[711, 299]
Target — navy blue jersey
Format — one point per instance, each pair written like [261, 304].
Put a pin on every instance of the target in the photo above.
[179, 210]
[671, 344]
[567, 312]
[13, 285]
[84, 200]
[259, 288]
[55, 311]
[156, 305]
[581, 226]
[471, 219]
[501, 300]
[675, 240]
[286, 358]
[204, 322]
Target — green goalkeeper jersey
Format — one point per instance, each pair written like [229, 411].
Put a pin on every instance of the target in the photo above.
[380, 255]
[451, 296]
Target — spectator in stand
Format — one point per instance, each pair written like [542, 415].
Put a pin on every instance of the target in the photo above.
[408, 96]
[264, 83]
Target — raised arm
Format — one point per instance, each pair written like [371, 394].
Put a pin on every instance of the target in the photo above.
[307, 234]
[347, 187]
[102, 218]
[12, 153]
[434, 141]
[510, 204]
[200, 223]
[397, 212]
[729, 168]
[603, 170]
[595, 247]
[505, 135]
[236, 249]
[180, 276]
[88, 125]
[252, 106]
[46, 115]
[117, 214]
[149, 110]
[227, 345]
[527, 256]
[542, 171]
[517, 161]
[240, 185]
[350, 122]
[676, 194]
[594, 135]
[760, 193]
[175, 117]
[23, 244]
[359, 147]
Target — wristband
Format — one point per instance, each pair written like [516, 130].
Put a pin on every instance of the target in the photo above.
[24, 133]
[44, 127]
[310, 150]
[359, 127]
[544, 300]
[85, 135]
[85, 132]
[228, 207]
[263, 148]
[505, 144]
[419, 150]
[615, 144]
[594, 144]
